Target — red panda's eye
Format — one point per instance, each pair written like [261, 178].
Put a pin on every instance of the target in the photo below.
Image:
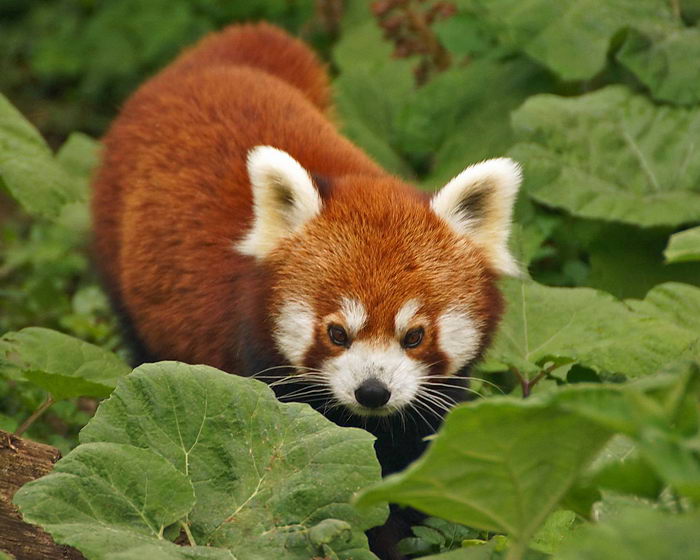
[338, 335]
[413, 338]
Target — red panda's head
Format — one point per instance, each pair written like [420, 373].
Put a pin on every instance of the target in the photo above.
[380, 293]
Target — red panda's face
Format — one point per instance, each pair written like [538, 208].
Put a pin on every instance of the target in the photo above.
[378, 300]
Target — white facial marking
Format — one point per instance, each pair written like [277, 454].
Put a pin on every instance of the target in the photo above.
[355, 315]
[403, 317]
[459, 337]
[294, 332]
[389, 364]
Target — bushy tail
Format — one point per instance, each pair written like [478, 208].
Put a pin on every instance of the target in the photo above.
[266, 47]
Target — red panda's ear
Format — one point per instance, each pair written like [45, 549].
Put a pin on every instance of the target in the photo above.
[284, 199]
[478, 203]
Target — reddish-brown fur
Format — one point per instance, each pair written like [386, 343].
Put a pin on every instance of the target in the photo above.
[172, 196]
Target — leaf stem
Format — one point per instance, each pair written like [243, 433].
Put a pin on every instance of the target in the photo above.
[24, 426]
[527, 384]
[516, 551]
[186, 528]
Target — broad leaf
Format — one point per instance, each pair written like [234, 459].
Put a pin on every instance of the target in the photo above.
[29, 170]
[673, 302]
[570, 37]
[264, 473]
[62, 365]
[107, 496]
[667, 64]
[684, 246]
[500, 465]
[638, 534]
[79, 156]
[611, 155]
[584, 326]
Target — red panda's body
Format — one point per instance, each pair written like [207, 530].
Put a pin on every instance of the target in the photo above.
[234, 226]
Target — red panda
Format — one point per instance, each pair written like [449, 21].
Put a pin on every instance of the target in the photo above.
[234, 226]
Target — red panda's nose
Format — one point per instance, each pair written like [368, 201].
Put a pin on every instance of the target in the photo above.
[372, 393]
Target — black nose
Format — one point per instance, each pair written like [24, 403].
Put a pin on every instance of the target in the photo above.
[372, 393]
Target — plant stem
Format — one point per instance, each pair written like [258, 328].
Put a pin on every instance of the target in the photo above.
[24, 426]
[516, 550]
[190, 538]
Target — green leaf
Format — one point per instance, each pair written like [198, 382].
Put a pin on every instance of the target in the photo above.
[684, 246]
[674, 302]
[583, 326]
[264, 473]
[632, 475]
[79, 155]
[572, 38]
[555, 530]
[28, 169]
[638, 534]
[165, 550]
[611, 155]
[666, 64]
[62, 365]
[499, 465]
[106, 496]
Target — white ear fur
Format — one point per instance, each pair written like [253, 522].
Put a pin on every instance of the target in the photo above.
[284, 199]
[478, 203]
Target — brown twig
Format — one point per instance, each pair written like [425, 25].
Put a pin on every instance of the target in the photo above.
[43, 407]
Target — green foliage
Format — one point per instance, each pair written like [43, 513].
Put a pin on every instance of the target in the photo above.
[41, 183]
[43, 62]
[558, 326]
[505, 464]
[572, 38]
[638, 533]
[60, 364]
[684, 246]
[520, 452]
[611, 155]
[217, 454]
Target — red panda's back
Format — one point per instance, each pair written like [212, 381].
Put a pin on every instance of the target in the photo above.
[172, 195]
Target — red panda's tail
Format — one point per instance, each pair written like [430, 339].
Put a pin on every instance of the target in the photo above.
[266, 47]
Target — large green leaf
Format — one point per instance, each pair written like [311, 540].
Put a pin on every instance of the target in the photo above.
[638, 534]
[674, 302]
[28, 169]
[684, 246]
[501, 464]
[667, 64]
[661, 417]
[611, 155]
[580, 325]
[571, 37]
[264, 473]
[107, 496]
[64, 366]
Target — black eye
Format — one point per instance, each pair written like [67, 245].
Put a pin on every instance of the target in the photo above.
[338, 335]
[413, 338]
